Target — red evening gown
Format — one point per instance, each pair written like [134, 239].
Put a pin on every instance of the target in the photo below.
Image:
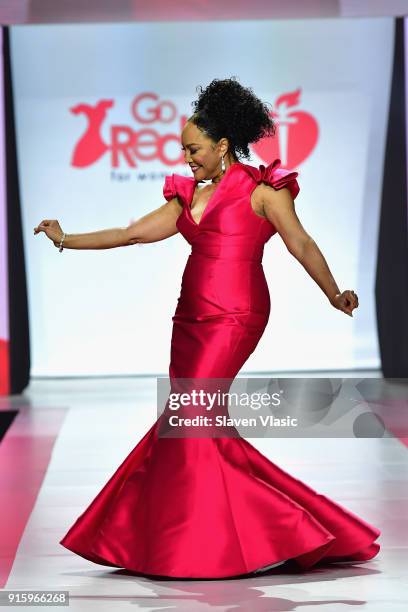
[216, 507]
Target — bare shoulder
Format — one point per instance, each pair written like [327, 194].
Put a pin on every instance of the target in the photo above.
[269, 202]
[259, 196]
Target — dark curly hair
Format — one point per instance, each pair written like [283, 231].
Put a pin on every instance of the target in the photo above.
[226, 109]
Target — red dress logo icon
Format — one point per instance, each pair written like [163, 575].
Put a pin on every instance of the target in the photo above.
[90, 146]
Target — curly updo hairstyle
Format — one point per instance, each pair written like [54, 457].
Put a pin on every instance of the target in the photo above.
[226, 109]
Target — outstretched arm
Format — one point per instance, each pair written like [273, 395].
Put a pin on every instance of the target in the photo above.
[156, 225]
[278, 207]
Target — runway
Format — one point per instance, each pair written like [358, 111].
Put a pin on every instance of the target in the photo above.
[68, 437]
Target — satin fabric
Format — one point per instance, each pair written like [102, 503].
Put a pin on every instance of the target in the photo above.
[215, 507]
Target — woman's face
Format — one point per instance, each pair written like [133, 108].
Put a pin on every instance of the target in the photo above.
[201, 153]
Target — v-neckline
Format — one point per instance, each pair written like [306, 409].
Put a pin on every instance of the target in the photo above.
[210, 199]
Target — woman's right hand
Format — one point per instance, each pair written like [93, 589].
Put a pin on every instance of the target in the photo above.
[346, 301]
[51, 228]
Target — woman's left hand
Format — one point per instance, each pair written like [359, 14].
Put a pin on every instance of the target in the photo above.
[345, 301]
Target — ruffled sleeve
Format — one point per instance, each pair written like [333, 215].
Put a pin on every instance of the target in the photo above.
[169, 187]
[182, 187]
[277, 177]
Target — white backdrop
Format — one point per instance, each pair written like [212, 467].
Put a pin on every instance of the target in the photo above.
[83, 91]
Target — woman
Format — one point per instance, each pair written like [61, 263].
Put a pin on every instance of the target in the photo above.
[214, 507]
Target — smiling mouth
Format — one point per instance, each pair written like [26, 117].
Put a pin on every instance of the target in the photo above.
[194, 168]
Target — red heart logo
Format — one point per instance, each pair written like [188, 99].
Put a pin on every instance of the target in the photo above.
[295, 138]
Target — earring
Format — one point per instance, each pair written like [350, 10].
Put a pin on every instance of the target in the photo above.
[222, 164]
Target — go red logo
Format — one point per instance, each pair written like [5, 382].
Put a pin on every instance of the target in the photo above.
[128, 145]
[295, 138]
